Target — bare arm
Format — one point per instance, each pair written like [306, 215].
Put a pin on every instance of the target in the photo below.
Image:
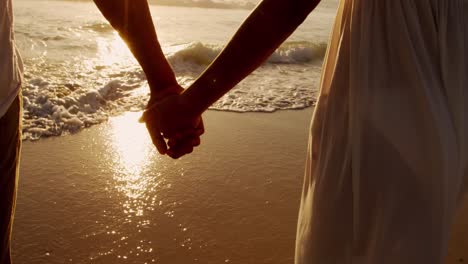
[259, 36]
[132, 19]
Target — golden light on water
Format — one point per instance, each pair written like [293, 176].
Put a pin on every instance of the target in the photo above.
[132, 150]
[130, 139]
[133, 185]
[113, 51]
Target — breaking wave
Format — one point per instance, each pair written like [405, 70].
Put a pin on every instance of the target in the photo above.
[58, 100]
[289, 53]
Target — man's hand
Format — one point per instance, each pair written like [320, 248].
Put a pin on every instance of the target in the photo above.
[168, 116]
[132, 19]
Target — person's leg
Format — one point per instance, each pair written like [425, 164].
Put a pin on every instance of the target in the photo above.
[10, 147]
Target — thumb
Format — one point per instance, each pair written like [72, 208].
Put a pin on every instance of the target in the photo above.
[157, 138]
[145, 116]
[142, 118]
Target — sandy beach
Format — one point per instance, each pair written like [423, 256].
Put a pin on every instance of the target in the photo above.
[105, 196]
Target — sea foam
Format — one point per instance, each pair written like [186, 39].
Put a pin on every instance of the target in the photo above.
[58, 101]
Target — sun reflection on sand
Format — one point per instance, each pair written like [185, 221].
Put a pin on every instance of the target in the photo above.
[133, 157]
[132, 149]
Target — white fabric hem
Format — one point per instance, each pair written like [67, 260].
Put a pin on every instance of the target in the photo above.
[5, 105]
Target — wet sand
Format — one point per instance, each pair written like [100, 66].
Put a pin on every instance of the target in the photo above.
[105, 196]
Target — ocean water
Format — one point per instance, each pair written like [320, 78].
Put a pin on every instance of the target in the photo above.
[105, 196]
[78, 72]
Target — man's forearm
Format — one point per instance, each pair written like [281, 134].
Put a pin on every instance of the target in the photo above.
[132, 19]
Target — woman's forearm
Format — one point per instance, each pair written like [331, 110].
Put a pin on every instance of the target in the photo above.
[132, 19]
[259, 36]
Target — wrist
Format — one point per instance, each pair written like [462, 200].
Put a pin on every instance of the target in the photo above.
[193, 103]
[161, 84]
[189, 107]
[158, 71]
[163, 92]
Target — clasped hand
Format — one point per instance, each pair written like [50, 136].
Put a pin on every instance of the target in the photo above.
[173, 128]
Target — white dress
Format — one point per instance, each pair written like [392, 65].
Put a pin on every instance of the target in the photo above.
[11, 65]
[388, 151]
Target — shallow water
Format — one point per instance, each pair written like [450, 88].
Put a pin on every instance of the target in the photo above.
[78, 72]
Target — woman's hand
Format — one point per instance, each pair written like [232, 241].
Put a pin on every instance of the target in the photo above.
[168, 115]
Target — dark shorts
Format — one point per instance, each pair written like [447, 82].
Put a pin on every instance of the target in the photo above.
[10, 148]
